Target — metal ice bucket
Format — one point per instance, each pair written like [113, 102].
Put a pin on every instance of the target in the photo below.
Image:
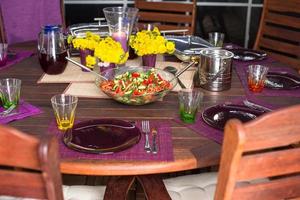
[215, 69]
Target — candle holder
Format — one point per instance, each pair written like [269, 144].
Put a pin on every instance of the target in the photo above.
[120, 21]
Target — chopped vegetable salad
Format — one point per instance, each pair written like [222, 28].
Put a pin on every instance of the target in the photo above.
[136, 87]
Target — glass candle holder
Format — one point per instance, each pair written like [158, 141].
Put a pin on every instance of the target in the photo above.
[120, 21]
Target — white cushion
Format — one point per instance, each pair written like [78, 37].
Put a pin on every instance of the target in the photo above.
[80, 192]
[74, 192]
[197, 186]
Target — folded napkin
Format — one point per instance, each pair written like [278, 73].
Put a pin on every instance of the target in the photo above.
[136, 152]
[23, 110]
[20, 55]
[242, 74]
[203, 129]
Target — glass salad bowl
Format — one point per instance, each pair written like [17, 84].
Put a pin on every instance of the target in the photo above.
[136, 85]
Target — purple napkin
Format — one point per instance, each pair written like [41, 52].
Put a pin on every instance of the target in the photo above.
[242, 74]
[136, 152]
[20, 55]
[205, 130]
[24, 110]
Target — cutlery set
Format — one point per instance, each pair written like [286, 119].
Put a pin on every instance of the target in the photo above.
[146, 130]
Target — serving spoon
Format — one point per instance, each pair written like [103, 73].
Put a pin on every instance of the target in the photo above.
[86, 68]
[173, 70]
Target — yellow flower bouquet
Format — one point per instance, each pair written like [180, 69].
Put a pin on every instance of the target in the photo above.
[105, 49]
[149, 43]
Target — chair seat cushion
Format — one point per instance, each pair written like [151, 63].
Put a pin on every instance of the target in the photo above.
[197, 186]
[75, 192]
[79, 192]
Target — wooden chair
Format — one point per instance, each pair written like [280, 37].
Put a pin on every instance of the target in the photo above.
[279, 31]
[22, 20]
[257, 162]
[168, 15]
[30, 169]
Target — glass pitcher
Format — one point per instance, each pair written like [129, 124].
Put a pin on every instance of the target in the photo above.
[52, 50]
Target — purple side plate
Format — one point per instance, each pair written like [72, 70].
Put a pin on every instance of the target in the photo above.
[282, 81]
[102, 136]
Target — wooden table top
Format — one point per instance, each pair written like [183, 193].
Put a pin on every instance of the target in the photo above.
[191, 151]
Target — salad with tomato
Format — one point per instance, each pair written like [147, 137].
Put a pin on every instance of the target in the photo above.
[136, 87]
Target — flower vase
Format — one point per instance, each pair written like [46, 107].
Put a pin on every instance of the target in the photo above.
[105, 66]
[149, 60]
[83, 54]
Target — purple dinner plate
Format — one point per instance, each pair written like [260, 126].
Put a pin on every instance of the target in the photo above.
[217, 116]
[282, 81]
[102, 136]
[243, 54]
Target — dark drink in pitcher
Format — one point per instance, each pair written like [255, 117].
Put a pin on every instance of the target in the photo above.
[53, 64]
[52, 50]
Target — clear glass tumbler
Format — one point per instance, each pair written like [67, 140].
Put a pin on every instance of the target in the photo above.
[189, 100]
[10, 89]
[216, 38]
[64, 107]
[3, 54]
[256, 77]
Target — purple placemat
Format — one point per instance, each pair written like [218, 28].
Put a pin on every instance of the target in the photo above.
[205, 130]
[20, 55]
[136, 152]
[242, 74]
[24, 110]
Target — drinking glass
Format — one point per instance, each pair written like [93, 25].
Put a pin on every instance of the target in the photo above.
[52, 50]
[3, 54]
[189, 100]
[120, 21]
[216, 38]
[10, 92]
[256, 77]
[64, 107]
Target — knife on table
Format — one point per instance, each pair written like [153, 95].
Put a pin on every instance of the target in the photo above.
[154, 141]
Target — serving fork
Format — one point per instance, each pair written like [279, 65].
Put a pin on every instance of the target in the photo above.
[146, 130]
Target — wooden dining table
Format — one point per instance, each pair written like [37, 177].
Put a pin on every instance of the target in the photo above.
[191, 150]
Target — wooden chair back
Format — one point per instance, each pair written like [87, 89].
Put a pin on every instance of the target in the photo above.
[279, 31]
[168, 15]
[29, 166]
[257, 150]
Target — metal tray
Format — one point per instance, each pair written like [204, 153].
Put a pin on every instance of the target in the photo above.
[79, 30]
[188, 46]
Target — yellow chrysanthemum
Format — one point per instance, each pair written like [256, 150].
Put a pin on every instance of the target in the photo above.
[90, 61]
[90, 41]
[107, 49]
[150, 42]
